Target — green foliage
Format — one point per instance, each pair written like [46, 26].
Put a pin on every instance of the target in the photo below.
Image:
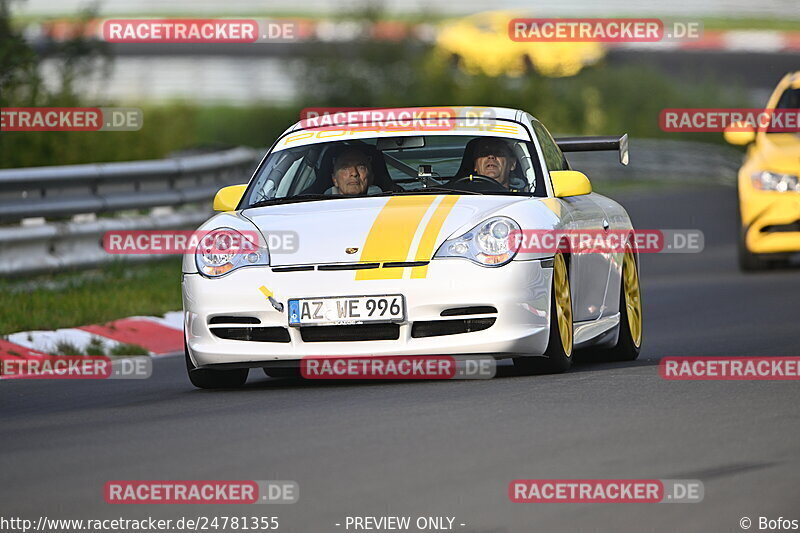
[603, 99]
[66, 348]
[20, 79]
[72, 299]
[96, 347]
[127, 349]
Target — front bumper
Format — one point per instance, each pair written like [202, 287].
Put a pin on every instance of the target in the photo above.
[772, 220]
[520, 292]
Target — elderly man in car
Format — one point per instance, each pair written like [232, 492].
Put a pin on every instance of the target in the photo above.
[352, 174]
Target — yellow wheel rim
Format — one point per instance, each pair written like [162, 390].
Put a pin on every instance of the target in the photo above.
[633, 299]
[563, 301]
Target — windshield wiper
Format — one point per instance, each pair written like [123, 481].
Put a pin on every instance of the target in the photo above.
[293, 199]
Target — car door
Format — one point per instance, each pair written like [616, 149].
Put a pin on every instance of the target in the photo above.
[588, 271]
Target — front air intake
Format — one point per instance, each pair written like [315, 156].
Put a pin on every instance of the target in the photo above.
[258, 334]
[473, 310]
[349, 333]
[438, 328]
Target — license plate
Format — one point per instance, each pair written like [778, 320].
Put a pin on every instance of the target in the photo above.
[346, 310]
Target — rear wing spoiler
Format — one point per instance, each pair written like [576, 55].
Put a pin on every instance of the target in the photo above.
[591, 144]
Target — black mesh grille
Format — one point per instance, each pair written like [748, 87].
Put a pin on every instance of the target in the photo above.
[473, 310]
[358, 332]
[397, 264]
[437, 328]
[234, 320]
[349, 266]
[293, 268]
[271, 334]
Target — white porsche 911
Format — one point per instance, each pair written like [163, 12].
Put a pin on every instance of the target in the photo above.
[400, 247]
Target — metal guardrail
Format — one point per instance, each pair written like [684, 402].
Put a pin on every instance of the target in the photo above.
[663, 160]
[50, 214]
[102, 188]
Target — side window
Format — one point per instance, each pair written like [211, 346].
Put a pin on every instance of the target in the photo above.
[553, 156]
[790, 99]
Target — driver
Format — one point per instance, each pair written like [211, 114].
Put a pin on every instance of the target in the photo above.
[352, 174]
[493, 159]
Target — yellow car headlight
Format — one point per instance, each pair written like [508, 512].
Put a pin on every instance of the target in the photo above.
[774, 181]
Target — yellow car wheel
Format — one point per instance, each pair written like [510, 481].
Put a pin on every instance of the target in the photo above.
[558, 356]
[631, 323]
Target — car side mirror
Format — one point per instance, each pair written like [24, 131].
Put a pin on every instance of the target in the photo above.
[739, 133]
[227, 198]
[569, 183]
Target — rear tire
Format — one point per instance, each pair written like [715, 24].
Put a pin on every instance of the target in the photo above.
[629, 344]
[204, 378]
[558, 355]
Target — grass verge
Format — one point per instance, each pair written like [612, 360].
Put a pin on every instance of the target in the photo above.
[63, 300]
[97, 347]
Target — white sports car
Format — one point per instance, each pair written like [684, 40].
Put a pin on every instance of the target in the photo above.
[378, 240]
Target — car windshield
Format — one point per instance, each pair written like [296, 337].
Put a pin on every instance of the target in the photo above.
[790, 101]
[418, 164]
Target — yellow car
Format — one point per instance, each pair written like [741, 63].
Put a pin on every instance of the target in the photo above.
[482, 46]
[769, 186]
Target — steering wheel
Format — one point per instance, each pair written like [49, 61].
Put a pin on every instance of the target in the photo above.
[479, 178]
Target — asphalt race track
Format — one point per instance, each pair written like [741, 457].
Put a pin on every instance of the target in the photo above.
[451, 448]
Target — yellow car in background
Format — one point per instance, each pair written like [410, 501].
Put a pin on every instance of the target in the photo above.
[481, 45]
[769, 186]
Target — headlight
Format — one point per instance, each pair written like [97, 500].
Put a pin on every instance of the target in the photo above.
[490, 243]
[772, 181]
[223, 250]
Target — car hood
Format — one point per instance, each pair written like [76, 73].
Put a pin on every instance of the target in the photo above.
[349, 230]
[780, 152]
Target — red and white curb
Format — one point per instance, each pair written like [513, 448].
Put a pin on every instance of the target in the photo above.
[158, 335]
[393, 30]
[766, 41]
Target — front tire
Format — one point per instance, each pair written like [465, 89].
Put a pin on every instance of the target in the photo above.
[558, 355]
[204, 378]
[748, 261]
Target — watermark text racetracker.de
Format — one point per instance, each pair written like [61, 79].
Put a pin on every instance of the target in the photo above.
[397, 119]
[218, 241]
[75, 367]
[606, 491]
[730, 368]
[201, 492]
[607, 240]
[199, 31]
[31, 119]
[602, 30]
[398, 367]
[710, 120]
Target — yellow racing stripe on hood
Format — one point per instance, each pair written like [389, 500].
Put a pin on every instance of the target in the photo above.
[425, 249]
[392, 234]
